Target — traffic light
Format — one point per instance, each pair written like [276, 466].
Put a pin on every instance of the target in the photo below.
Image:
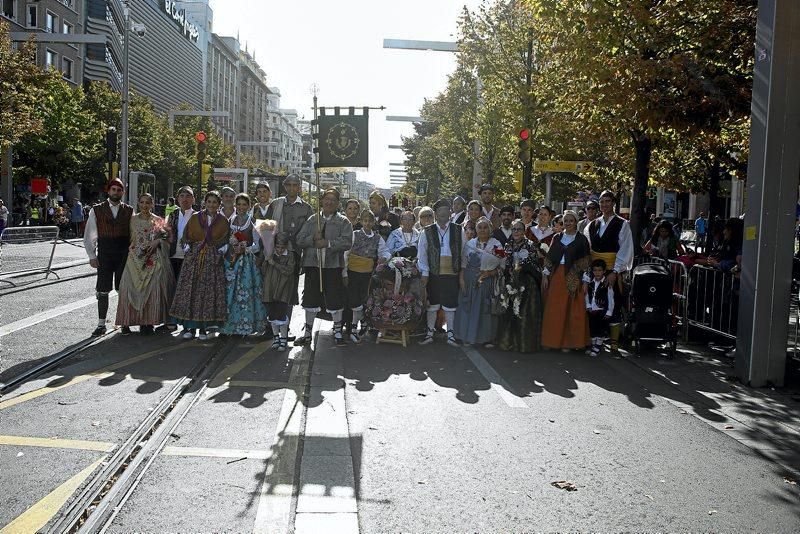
[111, 144]
[524, 144]
[200, 150]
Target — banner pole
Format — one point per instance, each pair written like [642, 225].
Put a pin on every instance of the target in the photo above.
[319, 198]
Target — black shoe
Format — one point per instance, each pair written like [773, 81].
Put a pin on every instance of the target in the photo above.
[99, 331]
[146, 330]
[125, 330]
[302, 341]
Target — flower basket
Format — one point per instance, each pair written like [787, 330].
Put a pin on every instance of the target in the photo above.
[396, 296]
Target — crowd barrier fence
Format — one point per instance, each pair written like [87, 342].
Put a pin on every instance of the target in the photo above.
[27, 250]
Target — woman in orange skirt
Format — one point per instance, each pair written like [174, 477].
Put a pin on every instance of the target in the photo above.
[565, 324]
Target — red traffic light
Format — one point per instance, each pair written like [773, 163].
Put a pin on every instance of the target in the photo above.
[200, 137]
[524, 134]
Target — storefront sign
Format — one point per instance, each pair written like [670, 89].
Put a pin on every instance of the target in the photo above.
[179, 16]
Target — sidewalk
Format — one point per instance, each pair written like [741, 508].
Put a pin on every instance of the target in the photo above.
[766, 420]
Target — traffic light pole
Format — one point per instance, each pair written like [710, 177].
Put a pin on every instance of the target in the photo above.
[527, 167]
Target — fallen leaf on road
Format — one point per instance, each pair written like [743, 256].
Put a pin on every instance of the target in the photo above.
[712, 512]
[790, 480]
[95, 423]
[19, 454]
[649, 496]
[552, 420]
[596, 431]
[62, 403]
[563, 484]
[422, 481]
[373, 428]
[422, 394]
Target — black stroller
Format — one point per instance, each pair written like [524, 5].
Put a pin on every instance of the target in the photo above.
[649, 316]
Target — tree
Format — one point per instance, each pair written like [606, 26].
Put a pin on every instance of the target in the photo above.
[21, 87]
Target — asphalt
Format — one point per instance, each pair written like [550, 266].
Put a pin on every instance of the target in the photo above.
[380, 438]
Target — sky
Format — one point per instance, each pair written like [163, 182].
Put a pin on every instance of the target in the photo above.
[339, 46]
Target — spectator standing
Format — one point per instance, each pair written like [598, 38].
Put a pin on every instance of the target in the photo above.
[459, 210]
[700, 225]
[76, 216]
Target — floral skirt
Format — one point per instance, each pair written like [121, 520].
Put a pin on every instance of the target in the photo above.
[200, 294]
[246, 313]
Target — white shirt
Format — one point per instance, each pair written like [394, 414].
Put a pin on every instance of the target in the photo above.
[444, 239]
[90, 234]
[541, 234]
[591, 305]
[624, 260]
[183, 218]
[398, 240]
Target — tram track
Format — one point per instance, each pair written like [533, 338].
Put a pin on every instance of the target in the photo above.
[96, 506]
[53, 362]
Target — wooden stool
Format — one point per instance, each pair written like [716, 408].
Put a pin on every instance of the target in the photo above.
[397, 335]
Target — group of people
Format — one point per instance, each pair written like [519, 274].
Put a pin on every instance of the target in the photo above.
[520, 278]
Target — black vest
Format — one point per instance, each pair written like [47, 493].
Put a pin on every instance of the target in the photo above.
[601, 299]
[435, 246]
[609, 241]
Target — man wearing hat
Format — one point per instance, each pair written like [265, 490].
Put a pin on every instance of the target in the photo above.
[490, 211]
[592, 211]
[324, 247]
[106, 240]
[503, 233]
[439, 261]
[611, 241]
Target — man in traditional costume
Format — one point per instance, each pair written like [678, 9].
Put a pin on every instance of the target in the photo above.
[106, 240]
[490, 211]
[440, 249]
[263, 202]
[611, 241]
[592, 212]
[503, 232]
[324, 248]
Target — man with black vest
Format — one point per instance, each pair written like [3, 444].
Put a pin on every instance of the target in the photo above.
[106, 240]
[611, 241]
[439, 261]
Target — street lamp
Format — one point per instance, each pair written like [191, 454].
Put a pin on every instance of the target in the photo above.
[140, 30]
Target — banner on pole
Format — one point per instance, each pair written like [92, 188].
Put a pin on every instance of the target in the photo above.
[342, 140]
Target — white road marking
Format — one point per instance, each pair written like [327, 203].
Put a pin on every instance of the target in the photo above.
[215, 453]
[47, 315]
[499, 385]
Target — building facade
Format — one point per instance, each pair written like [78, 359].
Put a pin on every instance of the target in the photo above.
[51, 16]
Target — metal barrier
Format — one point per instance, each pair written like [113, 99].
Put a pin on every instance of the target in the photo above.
[680, 288]
[27, 250]
[713, 300]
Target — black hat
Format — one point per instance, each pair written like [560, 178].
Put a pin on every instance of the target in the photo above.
[486, 187]
[507, 209]
[442, 202]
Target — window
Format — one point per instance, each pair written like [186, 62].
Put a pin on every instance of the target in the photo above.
[51, 23]
[9, 8]
[66, 68]
[33, 16]
[66, 27]
[50, 59]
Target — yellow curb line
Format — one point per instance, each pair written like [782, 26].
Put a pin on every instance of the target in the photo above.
[57, 443]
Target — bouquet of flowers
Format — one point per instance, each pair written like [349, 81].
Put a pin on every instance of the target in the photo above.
[144, 249]
[392, 308]
[397, 269]
[266, 231]
[511, 296]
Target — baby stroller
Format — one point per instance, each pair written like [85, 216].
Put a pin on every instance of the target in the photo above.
[649, 316]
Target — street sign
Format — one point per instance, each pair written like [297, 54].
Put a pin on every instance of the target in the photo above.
[563, 166]
[422, 188]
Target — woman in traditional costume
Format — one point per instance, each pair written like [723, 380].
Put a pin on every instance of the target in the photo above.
[520, 327]
[246, 312]
[147, 282]
[474, 322]
[566, 325]
[200, 294]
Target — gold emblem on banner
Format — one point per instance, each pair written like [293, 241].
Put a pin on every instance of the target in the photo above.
[342, 141]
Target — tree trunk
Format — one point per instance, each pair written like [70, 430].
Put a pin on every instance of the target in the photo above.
[643, 145]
